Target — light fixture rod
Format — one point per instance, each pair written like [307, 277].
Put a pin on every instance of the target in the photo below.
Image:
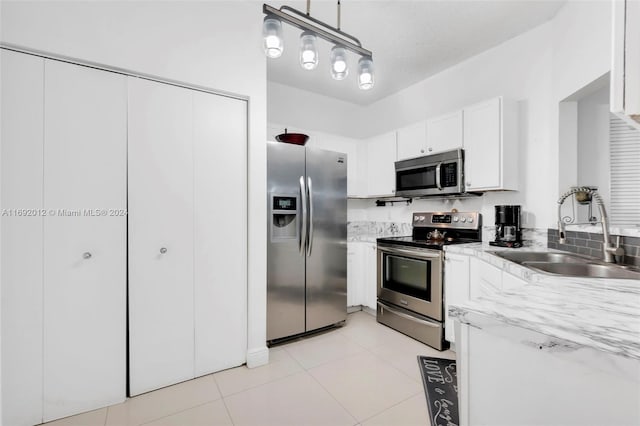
[309, 7]
[338, 15]
[355, 46]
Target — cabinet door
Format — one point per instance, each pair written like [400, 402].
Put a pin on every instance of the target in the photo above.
[456, 288]
[482, 146]
[220, 250]
[444, 132]
[412, 141]
[22, 180]
[161, 330]
[85, 242]
[484, 279]
[370, 285]
[381, 156]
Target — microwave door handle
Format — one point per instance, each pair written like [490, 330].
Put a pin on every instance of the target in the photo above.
[310, 236]
[302, 243]
[438, 183]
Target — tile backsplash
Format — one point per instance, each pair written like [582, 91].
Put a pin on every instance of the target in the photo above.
[590, 244]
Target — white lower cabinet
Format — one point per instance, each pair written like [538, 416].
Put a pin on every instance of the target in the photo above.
[361, 274]
[187, 256]
[64, 274]
[456, 288]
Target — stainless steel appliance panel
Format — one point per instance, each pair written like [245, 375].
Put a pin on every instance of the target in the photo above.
[285, 256]
[417, 326]
[429, 303]
[434, 174]
[327, 238]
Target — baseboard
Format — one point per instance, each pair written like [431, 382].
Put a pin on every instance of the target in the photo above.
[369, 310]
[257, 357]
[352, 309]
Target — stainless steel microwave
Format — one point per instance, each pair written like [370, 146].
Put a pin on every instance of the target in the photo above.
[435, 174]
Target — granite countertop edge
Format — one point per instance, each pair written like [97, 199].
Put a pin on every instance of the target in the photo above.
[601, 314]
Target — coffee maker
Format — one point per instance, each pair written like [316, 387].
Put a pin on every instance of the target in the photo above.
[508, 231]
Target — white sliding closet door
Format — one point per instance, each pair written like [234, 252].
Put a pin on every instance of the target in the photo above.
[220, 262]
[85, 242]
[21, 168]
[161, 323]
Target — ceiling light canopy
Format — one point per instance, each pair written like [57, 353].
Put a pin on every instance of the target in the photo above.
[312, 29]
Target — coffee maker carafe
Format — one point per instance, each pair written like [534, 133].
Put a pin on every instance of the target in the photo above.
[508, 231]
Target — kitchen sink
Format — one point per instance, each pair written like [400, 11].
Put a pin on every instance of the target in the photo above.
[535, 256]
[592, 270]
[568, 264]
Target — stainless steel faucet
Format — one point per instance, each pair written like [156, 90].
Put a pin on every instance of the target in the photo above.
[608, 250]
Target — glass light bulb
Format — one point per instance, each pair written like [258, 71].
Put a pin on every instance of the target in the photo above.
[365, 73]
[272, 37]
[339, 67]
[308, 51]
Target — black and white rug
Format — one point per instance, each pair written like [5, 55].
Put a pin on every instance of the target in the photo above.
[440, 382]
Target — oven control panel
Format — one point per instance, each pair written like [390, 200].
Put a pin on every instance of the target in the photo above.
[460, 220]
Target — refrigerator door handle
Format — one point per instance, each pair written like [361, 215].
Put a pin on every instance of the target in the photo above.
[310, 236]
[302, 242]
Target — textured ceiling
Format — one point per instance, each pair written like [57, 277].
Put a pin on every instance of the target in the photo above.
[410, 40]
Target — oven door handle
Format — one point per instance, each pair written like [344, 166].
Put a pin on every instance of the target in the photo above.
[438, 183]
[420, 254]
[407, 316]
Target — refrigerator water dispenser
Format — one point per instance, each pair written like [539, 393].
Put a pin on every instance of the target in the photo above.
[284, 214]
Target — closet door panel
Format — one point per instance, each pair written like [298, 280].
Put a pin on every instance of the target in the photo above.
[85, 241]
[161, 324]
[220, 263]
[21, 168]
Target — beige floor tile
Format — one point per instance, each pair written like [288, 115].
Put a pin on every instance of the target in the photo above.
[321, 349]
[369, 334]
[404, 356]
[91, 418]
[295, 400]
[411, 412]
[163, 402]
[238, 379]
[364, 384]
[210, 414]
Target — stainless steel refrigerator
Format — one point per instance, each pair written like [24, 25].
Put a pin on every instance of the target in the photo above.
[307, 239]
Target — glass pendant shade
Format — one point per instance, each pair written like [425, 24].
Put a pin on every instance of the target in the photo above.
[339, 68]
[272, 37]
[308, 51]
[365, 73]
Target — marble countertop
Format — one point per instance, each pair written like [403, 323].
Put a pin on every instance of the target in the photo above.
[602, 314]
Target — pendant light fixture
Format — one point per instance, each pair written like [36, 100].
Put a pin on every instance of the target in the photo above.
[311, 30]
[308, 51]
[272, 37]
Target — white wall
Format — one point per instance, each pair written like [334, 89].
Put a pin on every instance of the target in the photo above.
[538, 69]
[310, 111]
[593, 145]
[189, 41]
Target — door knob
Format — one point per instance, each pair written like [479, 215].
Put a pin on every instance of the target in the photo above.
[163, 250]
[86, 255]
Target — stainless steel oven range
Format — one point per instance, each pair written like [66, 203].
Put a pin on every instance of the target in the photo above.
[410, 273]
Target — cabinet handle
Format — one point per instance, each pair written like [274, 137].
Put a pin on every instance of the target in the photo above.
[430, 149]
[422, 151]
[86, 255]
[163, 250]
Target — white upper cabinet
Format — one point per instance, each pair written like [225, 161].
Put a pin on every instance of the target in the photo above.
[412, 141]
[491, 146]
[444, 132]
[381, 157]
[625, 70]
